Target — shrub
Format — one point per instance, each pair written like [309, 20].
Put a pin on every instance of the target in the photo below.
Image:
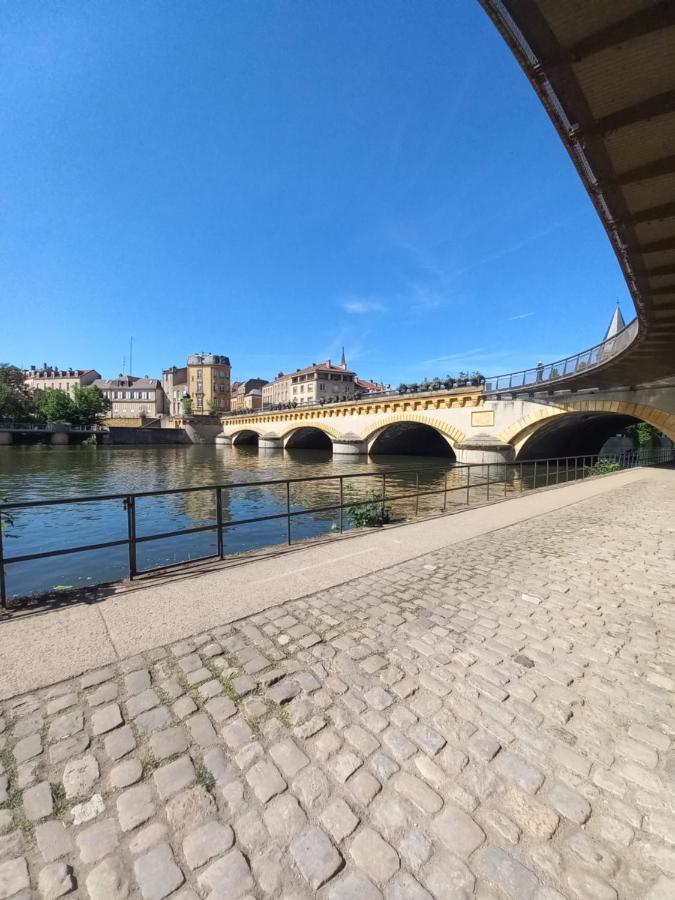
[602, 467]
[369, 512]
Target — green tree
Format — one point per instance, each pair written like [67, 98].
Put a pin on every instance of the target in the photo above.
[186, 403]
[89, 406]
[643, 435]
[56, 406]
[16, 400]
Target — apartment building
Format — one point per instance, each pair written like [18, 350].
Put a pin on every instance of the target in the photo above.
[175, 386]
[50, 378]
[208, 383]
[320, 381]
[133, 397]
[247, 394]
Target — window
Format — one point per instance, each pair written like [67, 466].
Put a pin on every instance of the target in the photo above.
[322, 386]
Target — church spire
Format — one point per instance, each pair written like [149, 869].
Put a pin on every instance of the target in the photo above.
[616, 324]
[343, 361]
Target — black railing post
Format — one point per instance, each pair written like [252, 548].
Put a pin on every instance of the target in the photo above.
[417, 492]
[384, 492]
[487, 494]
[219, 517]
[445, 493]
[3, 586]
[288, 511]
[534, 476]
[468, 485]
[547, 473]
[342, 501]
[130, 503]
[522, 483]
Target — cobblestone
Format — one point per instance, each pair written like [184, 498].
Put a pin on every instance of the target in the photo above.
[428, 731]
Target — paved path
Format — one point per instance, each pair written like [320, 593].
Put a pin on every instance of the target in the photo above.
[149, 614]
[494, 719]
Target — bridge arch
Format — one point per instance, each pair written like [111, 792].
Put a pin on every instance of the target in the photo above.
[309, 437]
[412, 433]
[561, 427]
[246, 437]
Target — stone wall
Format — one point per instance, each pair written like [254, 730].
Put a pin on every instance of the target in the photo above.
[166, 436]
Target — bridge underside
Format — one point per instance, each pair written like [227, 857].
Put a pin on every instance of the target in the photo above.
[574, 434]
[410, 438]
[605, 73]
[308, 439]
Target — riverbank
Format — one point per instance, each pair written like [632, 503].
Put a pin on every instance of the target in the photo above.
[50, 645]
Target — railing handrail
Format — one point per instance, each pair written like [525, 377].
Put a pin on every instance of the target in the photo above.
[11, 425]
[626, 331]
[233, 485]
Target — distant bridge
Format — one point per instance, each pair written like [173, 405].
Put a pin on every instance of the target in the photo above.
[467, 424]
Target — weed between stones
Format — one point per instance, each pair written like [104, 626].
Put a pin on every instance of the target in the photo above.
[58, 797]
[204, 777]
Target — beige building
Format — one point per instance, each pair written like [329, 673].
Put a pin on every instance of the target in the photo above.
[314, 384]
[50, 378]
[208, 383]
[247, 394]
[133, 397]
[174, 383]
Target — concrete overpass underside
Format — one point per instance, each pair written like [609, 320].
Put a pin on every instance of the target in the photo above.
[605, 73]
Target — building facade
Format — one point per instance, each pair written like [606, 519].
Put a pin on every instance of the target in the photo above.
[132, 397]
[49, 378]
[313, 384]
[208, 383]
[247, 394]
[175, 386]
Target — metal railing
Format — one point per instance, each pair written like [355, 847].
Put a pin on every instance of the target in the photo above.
[50, 427]
[462, 485]
[564, 368]
[534, 378]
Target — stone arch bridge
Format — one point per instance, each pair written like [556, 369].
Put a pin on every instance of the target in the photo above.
[469, 425]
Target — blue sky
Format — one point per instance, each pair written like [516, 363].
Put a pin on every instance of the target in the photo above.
[273, 180]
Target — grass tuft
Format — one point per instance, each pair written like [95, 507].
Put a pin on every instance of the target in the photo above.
[204, 777]
[149, 766]
[58, 797]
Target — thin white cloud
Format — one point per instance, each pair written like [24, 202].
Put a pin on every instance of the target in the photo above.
[521, 316]
[363, 307]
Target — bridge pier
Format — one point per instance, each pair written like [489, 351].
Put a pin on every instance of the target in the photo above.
[270, 442]
[349, 446]
[223, 440]
[59, 438]
[6, 438]
[483, 448]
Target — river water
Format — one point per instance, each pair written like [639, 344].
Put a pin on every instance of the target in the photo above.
[41, 472]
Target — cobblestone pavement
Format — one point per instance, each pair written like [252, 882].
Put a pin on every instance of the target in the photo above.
[491, 720]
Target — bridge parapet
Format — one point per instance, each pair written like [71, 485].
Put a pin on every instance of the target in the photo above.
[378, 405]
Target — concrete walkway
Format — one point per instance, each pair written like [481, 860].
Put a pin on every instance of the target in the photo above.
[49, 646]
